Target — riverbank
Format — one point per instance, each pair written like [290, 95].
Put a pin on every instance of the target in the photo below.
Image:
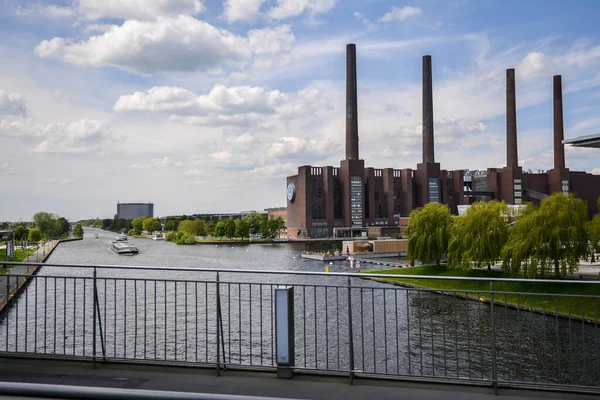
[582, 304]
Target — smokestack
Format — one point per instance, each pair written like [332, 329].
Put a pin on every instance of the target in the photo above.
[559, 149]
[351, 104]
[512, 159]
[428, 156]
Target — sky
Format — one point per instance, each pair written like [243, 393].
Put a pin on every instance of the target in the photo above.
[205, 106]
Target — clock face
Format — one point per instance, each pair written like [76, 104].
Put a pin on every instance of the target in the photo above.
[291, 192]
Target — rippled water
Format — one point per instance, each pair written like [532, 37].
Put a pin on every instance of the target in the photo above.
[172, 316]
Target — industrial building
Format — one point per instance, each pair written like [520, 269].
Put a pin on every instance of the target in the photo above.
[134, 210]
[326, 201]
[345, 200]
[515, 186]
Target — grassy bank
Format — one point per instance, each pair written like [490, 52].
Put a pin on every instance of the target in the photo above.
[19, 256]
[586, 307]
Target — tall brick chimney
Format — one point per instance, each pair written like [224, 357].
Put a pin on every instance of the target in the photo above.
[428, 154]
[512, 159]
[351, 104]
[559, 148]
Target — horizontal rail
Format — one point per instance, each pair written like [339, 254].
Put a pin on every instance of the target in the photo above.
[307, 273]
[103, 393]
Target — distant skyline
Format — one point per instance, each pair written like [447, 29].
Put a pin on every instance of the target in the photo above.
[204, 106]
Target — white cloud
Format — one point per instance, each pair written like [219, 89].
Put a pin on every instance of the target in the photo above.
[194, 173]
[270, 41]
[220, 100]
[533, 65]
[137, 9]
[12, 104]
[165, 162]
[292, 8]
[7, 168]
[596, 171]
[79, 137]
[167, 44]
[242, 10]
[400, 14]
[363, 19]
[299, 147]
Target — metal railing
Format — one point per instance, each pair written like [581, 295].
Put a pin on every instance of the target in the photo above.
[344, 324]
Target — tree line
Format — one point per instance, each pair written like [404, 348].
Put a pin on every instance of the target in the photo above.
[43, 225]
[185, 231]
[544, 240]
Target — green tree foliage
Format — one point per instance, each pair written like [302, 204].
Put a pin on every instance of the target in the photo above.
[20, 232]
[46, 223]
[172, 225]
[137, 223]
[35, 235]
[183, 238]
[477, 238]
[593, 228]
[211, 227]
[151, 224]
[551, 236]
[271, 227]
[220, 229]
[63, 227]
[170, 236]
[255, 221]
[229, 228]
[242, 229]
[428, 233]
[78, 231]
[196, 227]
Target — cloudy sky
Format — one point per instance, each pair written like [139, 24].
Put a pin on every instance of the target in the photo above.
[207, 105]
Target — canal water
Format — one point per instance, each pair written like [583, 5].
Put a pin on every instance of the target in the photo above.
[176, 316]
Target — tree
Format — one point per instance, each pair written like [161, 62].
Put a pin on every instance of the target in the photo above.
[220, 229]
[229, 228]
[255, 221]
[151, 224]
[593, 228]
[477, 238]
[20, 232]
[428, 233]
[172, 225]
[35, 235]
[196, 227]
[552, 235]
[137, 224]
[242, 229]
[63, 227]
[46, 223]
[78, 231]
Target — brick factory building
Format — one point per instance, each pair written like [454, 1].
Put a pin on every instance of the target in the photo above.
[515, 186]
[326, 201]
[343, 201]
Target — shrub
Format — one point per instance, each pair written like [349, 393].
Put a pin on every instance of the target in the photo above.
[184, 238]
[170, 236]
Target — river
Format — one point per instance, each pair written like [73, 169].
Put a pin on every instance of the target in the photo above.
[171, 316]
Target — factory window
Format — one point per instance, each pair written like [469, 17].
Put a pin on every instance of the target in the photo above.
[434, 190]
[319, 192]
[356, 187]
[376, 196]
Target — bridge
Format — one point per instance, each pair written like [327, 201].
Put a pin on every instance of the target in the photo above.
[347, 335]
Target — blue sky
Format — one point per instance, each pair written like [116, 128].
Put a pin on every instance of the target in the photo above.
[207, 105]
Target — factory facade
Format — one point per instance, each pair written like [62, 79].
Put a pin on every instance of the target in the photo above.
[327, 201]
[343, 201]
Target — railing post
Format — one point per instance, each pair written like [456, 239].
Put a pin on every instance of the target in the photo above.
[94, 304]
[350, 335]
[493, 325]
[217, 325]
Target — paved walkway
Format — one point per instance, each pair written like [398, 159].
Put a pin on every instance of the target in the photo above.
[6, 281]
[196, 380]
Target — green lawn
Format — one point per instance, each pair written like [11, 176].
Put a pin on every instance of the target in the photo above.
[19, 254]
[578, 306]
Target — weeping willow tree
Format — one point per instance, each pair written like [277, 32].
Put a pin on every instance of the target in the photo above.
[549, 238]
[477, 237]
[428, 233]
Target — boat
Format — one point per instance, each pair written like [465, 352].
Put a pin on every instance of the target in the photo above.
[96, 236]
[121, 238]
[158, 236]
[124, 248]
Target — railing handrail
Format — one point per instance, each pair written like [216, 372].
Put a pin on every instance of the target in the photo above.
[303, 273]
